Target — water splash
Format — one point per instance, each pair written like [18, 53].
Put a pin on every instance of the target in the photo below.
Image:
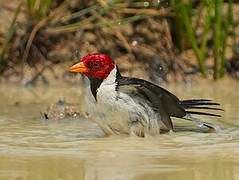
[146, 4]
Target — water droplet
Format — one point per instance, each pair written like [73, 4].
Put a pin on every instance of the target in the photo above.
[61, 115]
[157, 3]
[134, 43]
[119, 23]
[146, 4]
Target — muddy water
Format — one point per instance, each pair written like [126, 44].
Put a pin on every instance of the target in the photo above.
[72, 149]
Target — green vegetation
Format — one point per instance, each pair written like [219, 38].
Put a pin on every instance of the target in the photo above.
[7, 39]
[38, 9]
[161, 27]
[216, 26]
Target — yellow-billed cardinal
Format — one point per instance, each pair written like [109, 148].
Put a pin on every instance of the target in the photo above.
[134, 106]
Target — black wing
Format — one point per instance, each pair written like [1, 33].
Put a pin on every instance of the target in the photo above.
[164, 102]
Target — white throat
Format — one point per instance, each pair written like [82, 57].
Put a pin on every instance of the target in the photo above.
[107, 89]
[111, 78]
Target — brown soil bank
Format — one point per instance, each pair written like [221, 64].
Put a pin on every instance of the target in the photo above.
[39, 41]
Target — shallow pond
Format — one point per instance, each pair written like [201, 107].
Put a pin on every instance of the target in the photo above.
[70, 149]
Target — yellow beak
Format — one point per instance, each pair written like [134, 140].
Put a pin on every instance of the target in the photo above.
[79, 68]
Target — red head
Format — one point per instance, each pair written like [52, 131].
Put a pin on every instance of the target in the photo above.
[94, 65]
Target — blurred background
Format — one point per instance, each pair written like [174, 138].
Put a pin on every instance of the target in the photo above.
[183, 45]
[160, 40]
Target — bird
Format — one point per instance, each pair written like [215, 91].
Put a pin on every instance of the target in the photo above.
[133, 106]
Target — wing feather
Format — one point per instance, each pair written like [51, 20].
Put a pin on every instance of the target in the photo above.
[162, 101]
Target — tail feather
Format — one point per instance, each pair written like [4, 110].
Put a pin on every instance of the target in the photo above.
[195, 102]
[209, 108]
[203, 113]
[191, 107]
[200, 104]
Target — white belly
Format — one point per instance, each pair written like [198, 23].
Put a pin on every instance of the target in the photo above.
[117, 113]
